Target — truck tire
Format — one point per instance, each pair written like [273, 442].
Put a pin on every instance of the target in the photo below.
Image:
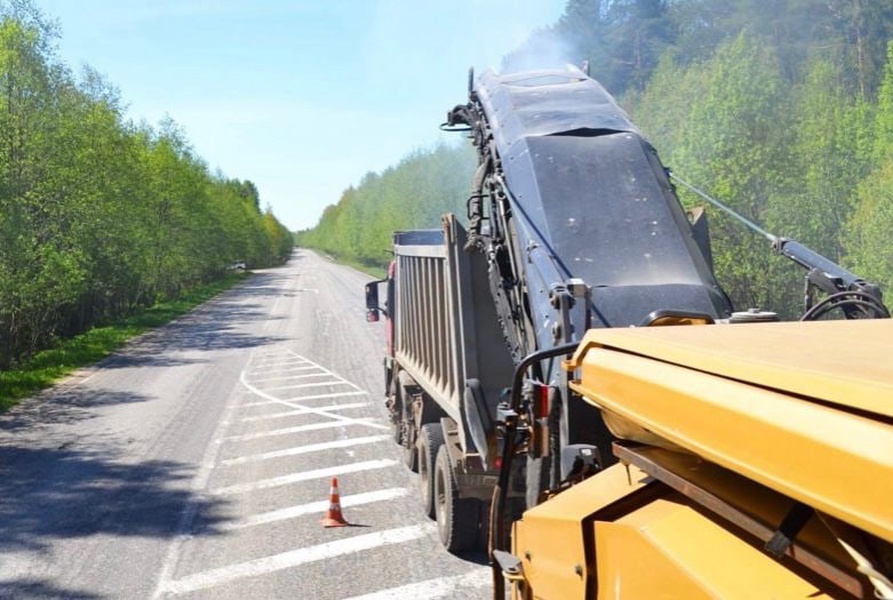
[430, 441]
[457, 518]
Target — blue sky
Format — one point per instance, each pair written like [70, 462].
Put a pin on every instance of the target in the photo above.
[302, 97]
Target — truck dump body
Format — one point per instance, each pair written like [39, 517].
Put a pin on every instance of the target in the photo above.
[445, 328]
[725, 431]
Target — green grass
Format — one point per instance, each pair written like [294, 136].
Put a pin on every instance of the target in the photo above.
[49, 366]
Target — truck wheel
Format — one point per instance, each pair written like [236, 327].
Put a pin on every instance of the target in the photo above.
[430, 441]
[457, 518]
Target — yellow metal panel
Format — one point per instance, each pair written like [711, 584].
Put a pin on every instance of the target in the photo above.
[767, 507]
[666, 550]
[844, 362]
[549, 539]
[833, 460]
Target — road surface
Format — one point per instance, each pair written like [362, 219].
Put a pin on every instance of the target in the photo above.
[197, 463]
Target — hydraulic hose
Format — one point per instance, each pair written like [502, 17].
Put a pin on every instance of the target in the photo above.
[497, 505]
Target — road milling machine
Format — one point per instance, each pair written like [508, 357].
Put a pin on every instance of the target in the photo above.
[552, 415]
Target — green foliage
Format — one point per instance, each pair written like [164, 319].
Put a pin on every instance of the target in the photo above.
[731, 146]
[783, 130]
[413, 194]
[99, 217]
[867, 235]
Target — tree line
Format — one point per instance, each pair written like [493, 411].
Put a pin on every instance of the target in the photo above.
[783, 109]
[100, 216]
[413, 194]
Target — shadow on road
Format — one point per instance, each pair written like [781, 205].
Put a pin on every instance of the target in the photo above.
[52, 493]
[33, 588]
[265, 284]
[217, 325]
[63, 404]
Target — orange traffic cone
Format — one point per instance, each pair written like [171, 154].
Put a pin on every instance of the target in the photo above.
[333, 517]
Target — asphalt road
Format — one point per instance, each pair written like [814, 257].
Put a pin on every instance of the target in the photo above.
[197, 463]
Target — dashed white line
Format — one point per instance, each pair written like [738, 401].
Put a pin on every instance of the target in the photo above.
[294, 558]
[198, 486]
[291, 478]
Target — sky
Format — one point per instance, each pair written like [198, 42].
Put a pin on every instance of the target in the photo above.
[302, 97]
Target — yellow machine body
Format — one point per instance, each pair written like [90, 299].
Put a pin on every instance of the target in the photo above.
[724, 433]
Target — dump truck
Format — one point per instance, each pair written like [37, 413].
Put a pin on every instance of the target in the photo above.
[524, 349]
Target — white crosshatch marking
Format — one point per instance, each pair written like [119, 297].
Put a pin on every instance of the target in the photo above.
[254, 378]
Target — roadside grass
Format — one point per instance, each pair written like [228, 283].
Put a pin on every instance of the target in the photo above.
[49, 366]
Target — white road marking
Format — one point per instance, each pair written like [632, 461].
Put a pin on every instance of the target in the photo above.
[290, 377]
[275, 361]
[306, 410]
[442, 587]
[290, 430]
[314, 507]
[292, 370]
[198, 487]
[295, 558]
[291, 478]
[308, 385]
[305, 449]
[259, 403]
[275, 367]
[296, 401]
[243, 379]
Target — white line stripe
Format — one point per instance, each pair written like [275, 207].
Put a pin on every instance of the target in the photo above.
[305, 449]
[314, 507]
[294, 403]
[295, 558]
[291, 478]
[290, 430]
[271, 372]
[259, 403]
[318, 411]
[292, 370]
[334, 374]
[298, 399]
[198, 487]
[288, 377]
[308, 385]
[272, 398]
[268, 358]
[278, 359]
[323, 410]
[443, 587]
